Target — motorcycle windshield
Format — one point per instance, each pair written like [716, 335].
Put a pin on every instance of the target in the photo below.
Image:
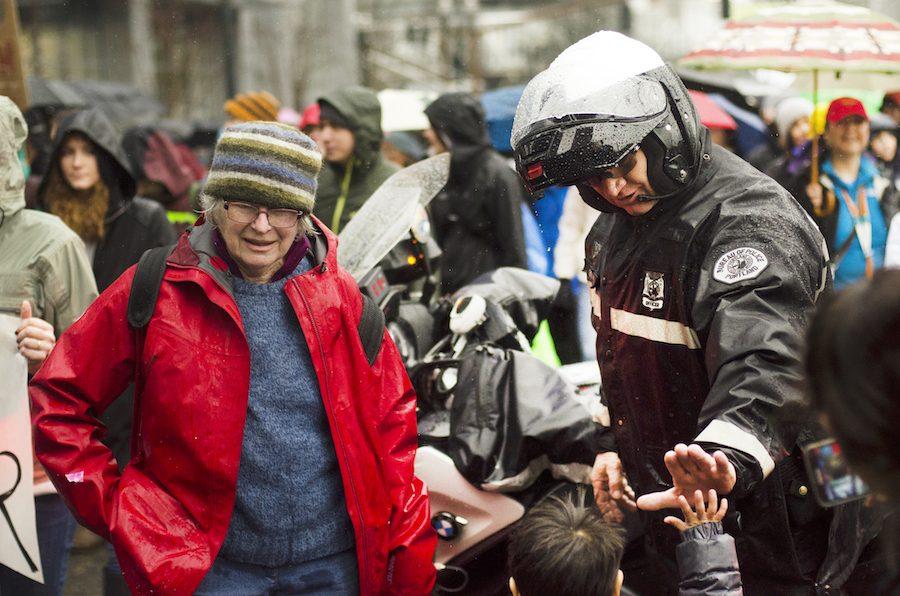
[387, 216]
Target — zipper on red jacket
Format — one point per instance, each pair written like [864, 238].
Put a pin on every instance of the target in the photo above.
[327, 395]
[338, 428]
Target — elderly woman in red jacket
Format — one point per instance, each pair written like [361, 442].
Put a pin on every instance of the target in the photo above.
[271, 450]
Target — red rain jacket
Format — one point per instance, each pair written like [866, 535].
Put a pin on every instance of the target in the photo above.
[168, 512]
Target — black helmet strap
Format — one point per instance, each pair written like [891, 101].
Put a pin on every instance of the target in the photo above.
[659, 165]
[669, 162]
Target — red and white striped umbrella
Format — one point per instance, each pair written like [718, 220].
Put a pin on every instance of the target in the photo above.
[808, 36]
[804, 36]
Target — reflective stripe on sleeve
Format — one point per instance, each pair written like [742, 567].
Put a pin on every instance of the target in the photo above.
[728, 435]
[660, 330]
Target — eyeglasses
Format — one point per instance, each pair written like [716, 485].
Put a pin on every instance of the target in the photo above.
[246, 213]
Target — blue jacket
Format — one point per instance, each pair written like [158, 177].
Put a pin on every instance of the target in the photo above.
[853, 264]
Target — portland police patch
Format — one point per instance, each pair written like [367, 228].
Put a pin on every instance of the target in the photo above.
[740, 264]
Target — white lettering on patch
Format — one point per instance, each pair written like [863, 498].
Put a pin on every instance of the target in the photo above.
[740, 264]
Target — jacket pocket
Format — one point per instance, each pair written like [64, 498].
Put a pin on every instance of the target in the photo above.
[159, 545]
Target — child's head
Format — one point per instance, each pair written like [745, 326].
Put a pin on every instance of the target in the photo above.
[566, 548]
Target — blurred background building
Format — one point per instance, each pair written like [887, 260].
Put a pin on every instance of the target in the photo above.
[193, 54]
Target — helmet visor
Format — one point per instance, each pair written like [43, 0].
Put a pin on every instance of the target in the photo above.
[567, 129]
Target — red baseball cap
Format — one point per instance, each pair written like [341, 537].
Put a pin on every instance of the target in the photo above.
[844, 107]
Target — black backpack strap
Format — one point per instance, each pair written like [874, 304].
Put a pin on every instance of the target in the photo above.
[371, 329]
[145, 286]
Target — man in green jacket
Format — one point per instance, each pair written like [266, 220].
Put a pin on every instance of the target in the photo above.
[351, 143]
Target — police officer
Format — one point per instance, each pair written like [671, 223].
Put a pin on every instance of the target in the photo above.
[703, 273]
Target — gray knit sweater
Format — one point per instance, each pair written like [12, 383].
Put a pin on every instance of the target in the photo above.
[290, 505]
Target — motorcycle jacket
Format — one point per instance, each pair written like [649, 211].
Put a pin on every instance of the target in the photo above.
[700, 307]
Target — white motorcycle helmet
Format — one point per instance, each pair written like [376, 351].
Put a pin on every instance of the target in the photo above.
[597, 103]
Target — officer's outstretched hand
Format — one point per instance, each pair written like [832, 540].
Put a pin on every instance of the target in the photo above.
[692, 469]
[611, 490]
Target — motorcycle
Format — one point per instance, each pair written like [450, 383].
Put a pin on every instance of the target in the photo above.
[498, 429]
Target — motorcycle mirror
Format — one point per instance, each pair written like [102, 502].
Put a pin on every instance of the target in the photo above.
[468, 313]
[447, 380]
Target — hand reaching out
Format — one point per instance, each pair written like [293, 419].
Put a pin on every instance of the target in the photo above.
[711, 511]
[692, 469]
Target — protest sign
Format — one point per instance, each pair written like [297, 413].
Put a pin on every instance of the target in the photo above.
[18, 531]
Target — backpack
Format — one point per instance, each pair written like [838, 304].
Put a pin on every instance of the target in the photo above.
[149, 275]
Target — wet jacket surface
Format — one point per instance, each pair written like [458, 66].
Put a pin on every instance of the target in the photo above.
[167, 513]
[367, 168]
[477, 217]
[707, 562]
[700, 308]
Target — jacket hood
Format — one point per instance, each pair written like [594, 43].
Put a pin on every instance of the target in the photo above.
[113, 162]
[362, 110]
[460, 119]
[13, 131]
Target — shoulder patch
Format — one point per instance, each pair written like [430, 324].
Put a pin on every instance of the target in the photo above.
[740, 264]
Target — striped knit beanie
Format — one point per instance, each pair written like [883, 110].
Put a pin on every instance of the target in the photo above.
[265, 163]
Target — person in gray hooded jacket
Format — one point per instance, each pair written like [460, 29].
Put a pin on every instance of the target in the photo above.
[46, 280]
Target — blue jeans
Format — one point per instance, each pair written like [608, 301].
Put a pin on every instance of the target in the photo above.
[55, 530]
[335, 574]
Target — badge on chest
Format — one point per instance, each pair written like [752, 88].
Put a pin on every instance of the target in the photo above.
[654, 290]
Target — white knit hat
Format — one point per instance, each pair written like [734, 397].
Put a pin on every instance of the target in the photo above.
[789, 111]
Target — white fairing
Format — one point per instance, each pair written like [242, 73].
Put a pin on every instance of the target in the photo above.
[487, 513]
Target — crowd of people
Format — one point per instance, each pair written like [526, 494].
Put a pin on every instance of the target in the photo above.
[231, 418]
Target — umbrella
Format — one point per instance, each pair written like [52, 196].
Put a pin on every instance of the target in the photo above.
[711, 115]
[123, 104]
[813, 36]
[499, 110]
[751, 130]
